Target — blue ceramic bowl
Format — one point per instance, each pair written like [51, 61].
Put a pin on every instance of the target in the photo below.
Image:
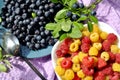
[25, 52]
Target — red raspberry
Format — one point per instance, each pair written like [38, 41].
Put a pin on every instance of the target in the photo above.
[86, 40]
[76, 77]
[111, 37]
[74, 54]
[64, 48]
[107, 70]
[106, 45]
[59, 53]
[115, 76]
[88, 62]
[99, 76]
[117, 58]
[85, 47]
[87, 71]
[112, 57]
[68, 41]
[66, 63]
[101, 63]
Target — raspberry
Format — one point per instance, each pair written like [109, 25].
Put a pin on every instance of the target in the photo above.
[87, 71]
[80, 74]
[68, 41]
[76, 77]
[85, 47]
[69, 74]
[88, 61]
[115, 76]
[76, 67]
[59, 53]
[112, 56]
[116, 67]
[106, 45]
[64, 48]
[117, 59]
[93, 51]
[111, 37]
[101, 63]
[66, 63]
[107, 70]
[86, 40]
[99, 76]
[59, 70]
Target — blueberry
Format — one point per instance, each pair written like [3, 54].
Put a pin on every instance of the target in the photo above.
[24, 16]
[42, 34]
[39, 13]
[69, 14]
[47, 32]
[75, 5]
[46, 7]
[31, 46]
[52, 5]
[37, 32]
[51, 42]
[27, 43]
[27, 38]
[38, 37]
[81, 5]
[51, 10]
[17, 10]
[74, 17]
[38, 2]
[93, 13]
[41, 7]
[37, 45]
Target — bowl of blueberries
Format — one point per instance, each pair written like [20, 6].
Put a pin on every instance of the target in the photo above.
[26, 19]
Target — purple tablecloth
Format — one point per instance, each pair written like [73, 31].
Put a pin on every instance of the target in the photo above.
[108, 11]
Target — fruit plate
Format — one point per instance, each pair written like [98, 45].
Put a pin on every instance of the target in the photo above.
[30, 53]
[103, 26]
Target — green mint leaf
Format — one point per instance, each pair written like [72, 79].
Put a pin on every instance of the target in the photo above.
[55, 1]
[60, 14]
[63, 36]
[82, 18]
[55, 33]
[3, 68]
[71, 2]
[90, 26]
[79, 25]
[33, 14]
[75, 33]
[1, 55]
[0, 19]
[65, 1]
[93, 19]
[50, 26]
[66, 26]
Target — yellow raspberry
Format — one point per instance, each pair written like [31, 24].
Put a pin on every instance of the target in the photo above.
[81, 55]
[103, 35]
[85, 33]
[114, 49]
[116, 67]
[94, 37]
[75, 59]
[80, 74]
[93, 51]
[107, 78]
[74, 47]
[119, 51]
[59, 61]
[88, 78]
[105, 56]
[59, 70]
[77, 41]
[76, 67]
[96, 28]
[69, 74]
[97, 45]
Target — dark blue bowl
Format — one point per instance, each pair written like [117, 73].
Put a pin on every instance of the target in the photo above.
[25, 52]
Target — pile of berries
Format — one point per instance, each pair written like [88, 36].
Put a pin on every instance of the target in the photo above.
[95, 56]
[26, 20]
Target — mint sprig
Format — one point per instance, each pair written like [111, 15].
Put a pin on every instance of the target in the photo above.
[64, 26]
